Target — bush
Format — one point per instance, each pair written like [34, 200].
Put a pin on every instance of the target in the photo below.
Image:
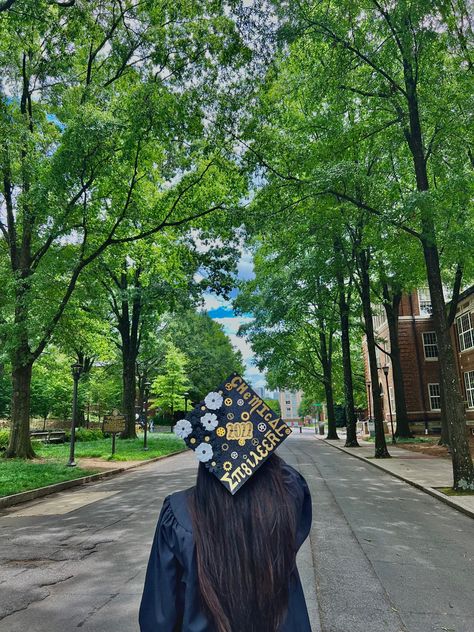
[85, 434]
[4, 439]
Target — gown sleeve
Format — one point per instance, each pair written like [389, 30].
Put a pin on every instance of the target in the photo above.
[159, 610]
[306, 513]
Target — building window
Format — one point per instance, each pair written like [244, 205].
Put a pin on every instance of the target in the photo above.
[424, 302]
[392, 398]
[430, 345]
[469, 384]
[435, 396]
[465, 331]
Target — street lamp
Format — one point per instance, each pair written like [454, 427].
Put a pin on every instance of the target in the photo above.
[146, 391]
[385, 370]
[76, 370]
[186, 396]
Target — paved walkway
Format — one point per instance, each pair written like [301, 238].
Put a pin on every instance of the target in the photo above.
[382, 556]
[430, 472]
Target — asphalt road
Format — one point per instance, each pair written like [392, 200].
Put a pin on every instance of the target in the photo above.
[382, 556]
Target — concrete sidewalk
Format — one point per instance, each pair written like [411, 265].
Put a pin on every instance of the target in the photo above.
[424, 471]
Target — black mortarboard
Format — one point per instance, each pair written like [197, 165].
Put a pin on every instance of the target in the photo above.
[232, 431]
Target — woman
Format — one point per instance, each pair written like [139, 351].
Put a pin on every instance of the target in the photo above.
[226, 563]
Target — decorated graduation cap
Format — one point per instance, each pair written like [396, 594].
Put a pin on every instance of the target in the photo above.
[232, 431]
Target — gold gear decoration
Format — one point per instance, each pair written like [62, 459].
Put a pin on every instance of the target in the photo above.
[245, 416]
[241, 442]
[207, 439]
[228, 386]
[192, 440]
[227, 466]
[220, 432]
[228, 401]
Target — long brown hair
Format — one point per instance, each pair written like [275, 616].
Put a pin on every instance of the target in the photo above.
[245, 549]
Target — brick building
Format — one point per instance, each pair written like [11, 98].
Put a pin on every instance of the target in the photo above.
[419, 357]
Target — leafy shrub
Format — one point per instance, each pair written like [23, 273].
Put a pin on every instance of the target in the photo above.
[4, 439]
[85, 434]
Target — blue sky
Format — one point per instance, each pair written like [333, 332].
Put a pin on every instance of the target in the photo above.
[221, 311]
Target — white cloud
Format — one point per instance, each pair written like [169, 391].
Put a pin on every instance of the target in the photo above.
[232, 323]
[211, 301]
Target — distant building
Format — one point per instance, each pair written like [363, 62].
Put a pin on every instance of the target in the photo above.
[419, 357]
[289, 404]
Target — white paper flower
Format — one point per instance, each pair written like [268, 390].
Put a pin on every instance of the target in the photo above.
[213, 400]
[209, 421]
[183, 428]
[204, 452]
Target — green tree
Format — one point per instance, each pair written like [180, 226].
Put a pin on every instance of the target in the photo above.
[170, 387]
[103, 142]
[211, 357]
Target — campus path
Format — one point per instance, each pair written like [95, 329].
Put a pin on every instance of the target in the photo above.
[382, 556]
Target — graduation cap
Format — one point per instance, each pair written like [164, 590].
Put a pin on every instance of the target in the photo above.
[232, 431]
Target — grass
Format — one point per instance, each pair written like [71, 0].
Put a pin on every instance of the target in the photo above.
[449, 491]
[159, 444]
[17, 475]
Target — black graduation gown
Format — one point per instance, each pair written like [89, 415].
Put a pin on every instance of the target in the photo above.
[171, 597]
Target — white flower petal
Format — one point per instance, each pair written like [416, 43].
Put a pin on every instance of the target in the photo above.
[204, 452]
[183, 428]
[213, 400]
[209, 421]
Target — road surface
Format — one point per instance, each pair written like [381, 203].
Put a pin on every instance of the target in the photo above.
[382, 556]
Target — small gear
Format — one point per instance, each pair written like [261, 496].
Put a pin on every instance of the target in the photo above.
[228, 386]
[262, 427]
[255, 441]
[245, 457]
[192, 440]
[230, 416]
[241, 442]
[225, 447]
[234, 455]
[220, 432]
[207, 439]
[288, 431]
[240, 402]
[245, 416]
[228, 401]
[227, 466]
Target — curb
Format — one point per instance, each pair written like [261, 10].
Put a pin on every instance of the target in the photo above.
[428, 490]
[39, 492]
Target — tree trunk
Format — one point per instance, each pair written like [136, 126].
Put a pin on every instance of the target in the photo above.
[351, 437]
[453, 404]
[129, 392]
[20, 442]
[326, 362]
[381, 451]
[452, 401]
[392, 309]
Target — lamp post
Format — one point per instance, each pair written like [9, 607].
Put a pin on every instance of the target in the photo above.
[146, 392]
[385, 370]
[76, 370]
[186, 396]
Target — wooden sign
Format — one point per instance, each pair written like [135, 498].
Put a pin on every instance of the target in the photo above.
[114, 423]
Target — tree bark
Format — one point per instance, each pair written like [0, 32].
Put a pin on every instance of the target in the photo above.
[381, 451]
[453, 405]
[392, 310]
[129, 360]
[20, 443]
[326, 362]
[351, 437]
